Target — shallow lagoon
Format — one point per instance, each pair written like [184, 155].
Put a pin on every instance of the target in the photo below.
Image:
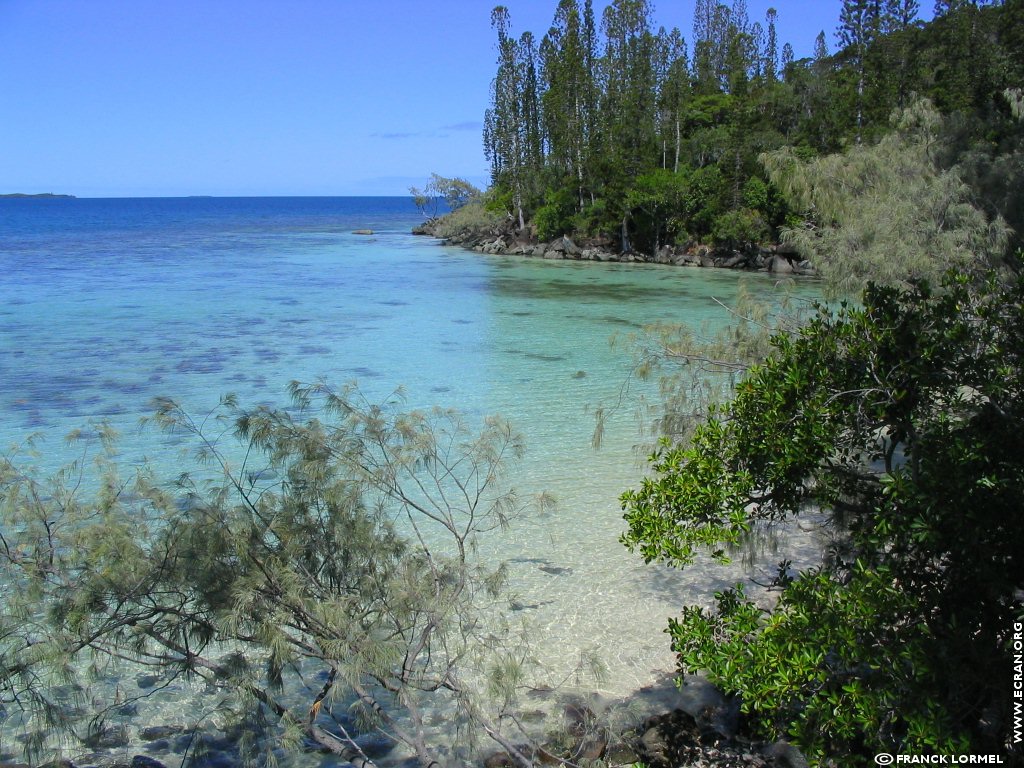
[105, 304]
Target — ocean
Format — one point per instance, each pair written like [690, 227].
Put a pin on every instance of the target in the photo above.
[106, 304]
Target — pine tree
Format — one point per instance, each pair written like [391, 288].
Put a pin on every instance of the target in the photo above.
[673, 95]
[628, 107]
[858, 26]
[771, 51]
[787, 56]
[904, 13]
[512, 137]
[567, 87]
[820, 47]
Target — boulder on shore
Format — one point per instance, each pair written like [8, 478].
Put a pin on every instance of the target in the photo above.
[780, 265]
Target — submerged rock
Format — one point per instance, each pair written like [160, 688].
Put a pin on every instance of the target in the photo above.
[110, 738]
[155, 732]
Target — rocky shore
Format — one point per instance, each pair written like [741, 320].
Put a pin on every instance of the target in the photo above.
[780, 259]
[696, 727]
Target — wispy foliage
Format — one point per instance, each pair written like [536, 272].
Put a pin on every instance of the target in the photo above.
[886, 212]
[341, 548]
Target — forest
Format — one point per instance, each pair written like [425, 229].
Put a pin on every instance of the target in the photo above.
[615, 129]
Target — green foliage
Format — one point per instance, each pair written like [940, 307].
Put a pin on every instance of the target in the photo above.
[482, 214]
[886, 212]
[594, 117]
[354, 557]
[739, 229]
[696, 367]
[901, 424]
[455, 193]
[555, 216]
[655, 201]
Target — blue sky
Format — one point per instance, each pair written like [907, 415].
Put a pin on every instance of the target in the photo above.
[126, 98]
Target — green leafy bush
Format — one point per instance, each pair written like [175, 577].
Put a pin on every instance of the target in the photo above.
[738, 229]
[902, 423]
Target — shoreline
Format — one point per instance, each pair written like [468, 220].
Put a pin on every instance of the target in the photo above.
[778, 258]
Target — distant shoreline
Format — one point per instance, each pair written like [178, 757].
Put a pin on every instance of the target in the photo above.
[44, 194]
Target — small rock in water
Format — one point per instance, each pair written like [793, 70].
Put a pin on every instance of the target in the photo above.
[142, 761]
[147, 681]
[155, 732]
[111, 738]
[580, 375]
[556, 570]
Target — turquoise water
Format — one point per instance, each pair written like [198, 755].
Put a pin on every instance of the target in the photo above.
[105, 304]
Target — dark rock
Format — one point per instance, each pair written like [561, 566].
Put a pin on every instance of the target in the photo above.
[147, 681]
[158, 746]
[109, 738]
[503, 759]
[499, 760]
[784, 755]
[160, 732]
[664, 255]
[556, 570]
[184, 742]
[670, 740]
[213, 759]
[579, 718]
[780, 265]
[621, 753]
[142, 761]
[58, 764]
[376, 745]
[592, 747]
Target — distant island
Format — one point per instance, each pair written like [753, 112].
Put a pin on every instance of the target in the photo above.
[44, 194]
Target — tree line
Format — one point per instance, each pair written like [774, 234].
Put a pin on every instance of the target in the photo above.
[621, 130]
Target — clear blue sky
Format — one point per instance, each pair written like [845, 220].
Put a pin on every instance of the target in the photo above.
[112, 98]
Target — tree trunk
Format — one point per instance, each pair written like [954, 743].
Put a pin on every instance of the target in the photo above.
[678, 139]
